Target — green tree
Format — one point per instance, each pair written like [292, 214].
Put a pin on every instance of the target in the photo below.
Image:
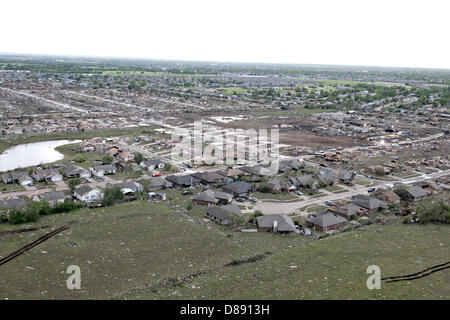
[138, 157]
[73, 183]
[112, 195]
[402, 192]
[107, 160]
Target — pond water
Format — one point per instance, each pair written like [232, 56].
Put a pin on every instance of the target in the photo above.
[32, 154]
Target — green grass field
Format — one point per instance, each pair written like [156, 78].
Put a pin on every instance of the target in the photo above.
[333, 268]
[139, 250]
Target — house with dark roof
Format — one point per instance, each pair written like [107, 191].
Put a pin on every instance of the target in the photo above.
[344, 176]
[223, 214]
[238, 188]
[369, 203]
[232, 172]
[278, 223]
[71, 171]
[326, 221]
[206, 197]
[158, 183]
[347, 211]
[53, 198]
[306, 181]
[9, 204]
[259, 170]
[183, 181]
[283, 167]
[209, 177]
[416, 193]
[212, 197]
[293, 163]
[386, 195]
[327, 179]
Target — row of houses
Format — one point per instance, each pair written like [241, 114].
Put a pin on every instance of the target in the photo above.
[23, 177]
[311, 181]
[339, 212]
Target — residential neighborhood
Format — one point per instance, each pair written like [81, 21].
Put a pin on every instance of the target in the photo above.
[202, 180]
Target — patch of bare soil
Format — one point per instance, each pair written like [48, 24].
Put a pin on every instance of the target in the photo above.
[305, 139]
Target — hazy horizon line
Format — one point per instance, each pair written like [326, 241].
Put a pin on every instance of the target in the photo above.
[213, 61]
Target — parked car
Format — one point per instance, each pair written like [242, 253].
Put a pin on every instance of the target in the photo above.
[323, 165]
[252, 199]
[240, 199]
[328, 203]
[299, 193]
[370, 177]
[187, 192]
[156, 174]
[88, 179]
[371, 189]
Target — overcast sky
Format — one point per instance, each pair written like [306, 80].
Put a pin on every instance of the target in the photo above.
[406, 33]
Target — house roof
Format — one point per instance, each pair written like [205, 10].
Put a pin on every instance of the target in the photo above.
[348, 210]
[305, 180]
[368, 202]
[15, 175]
[208, 176]
[326, 219]
[222, 195]
[388, 195]
[224, 212]
[151, 162]
[232, 172]
[12, 203]
[159, 182]
[293, 163]
[233, 208]
[284, 223]
[238, 187]
[42, 173]
[274, 184]
[416, 192]
[327, 177]
[344, 174]
[185, 180]
[71, 169]
[84, 189]
[52, 196]
[207, 196]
